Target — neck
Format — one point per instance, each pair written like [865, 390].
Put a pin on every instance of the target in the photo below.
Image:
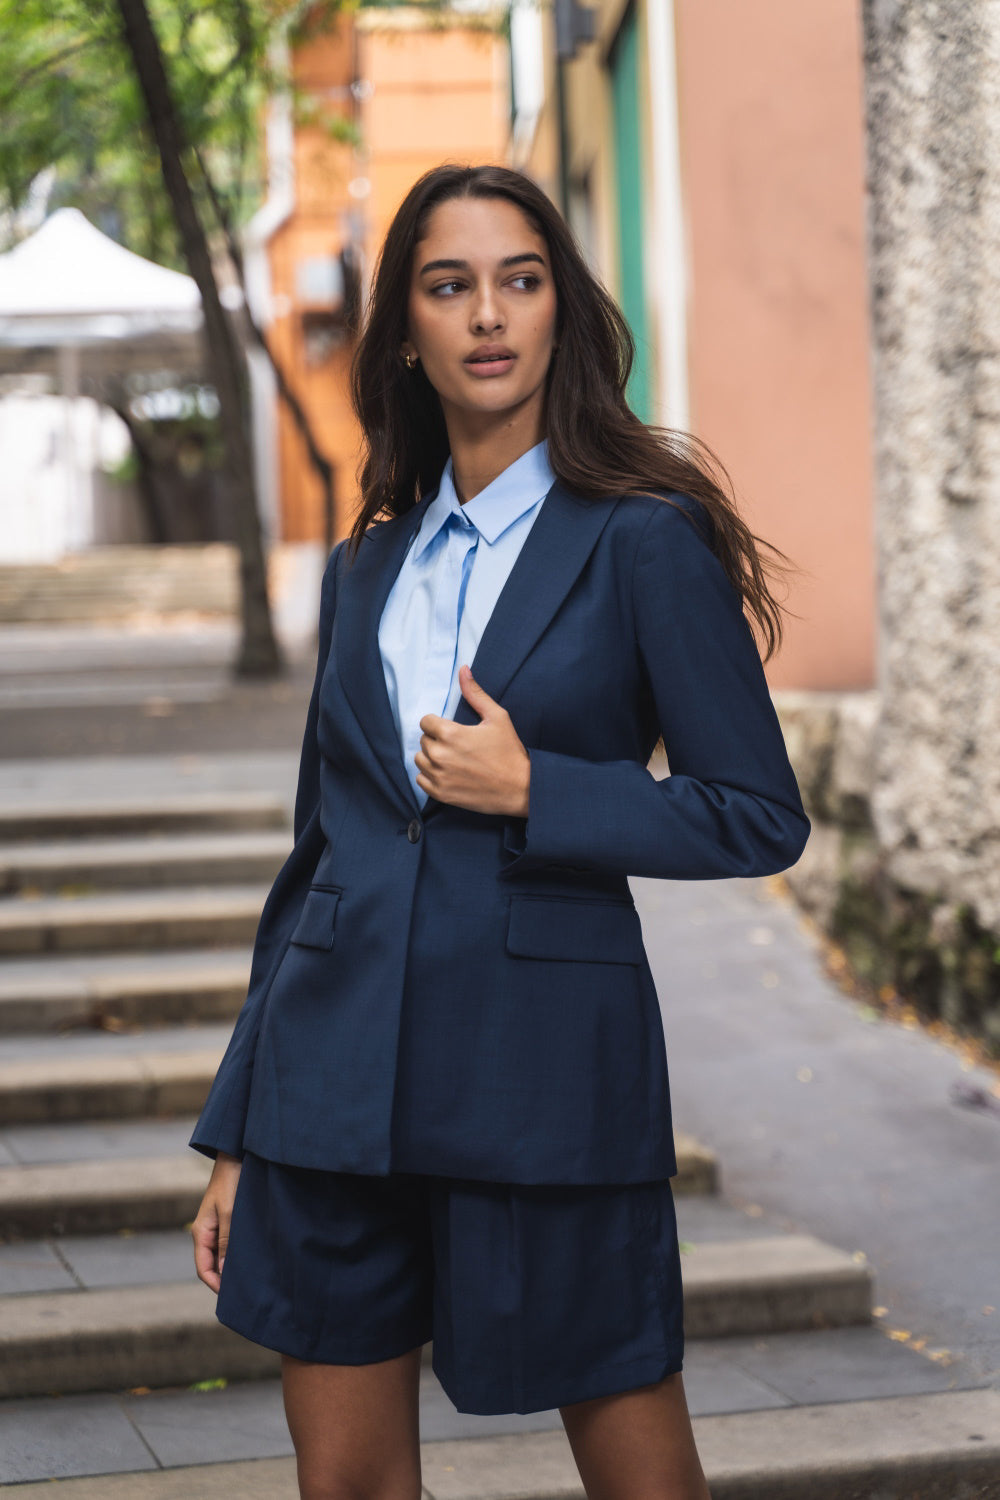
[479, 454]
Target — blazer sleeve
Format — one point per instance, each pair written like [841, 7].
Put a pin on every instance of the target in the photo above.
[220, 1125]
[731, 804]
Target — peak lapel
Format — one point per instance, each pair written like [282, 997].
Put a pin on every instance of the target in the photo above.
[563, 535]
[361, 597]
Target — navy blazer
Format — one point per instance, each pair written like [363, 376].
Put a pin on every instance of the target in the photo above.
[447, 991]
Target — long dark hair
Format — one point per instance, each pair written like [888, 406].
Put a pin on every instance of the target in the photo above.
[597, 446]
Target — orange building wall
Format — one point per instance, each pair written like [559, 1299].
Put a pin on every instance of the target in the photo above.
[432, 95]
[772, 159]
[437, 97]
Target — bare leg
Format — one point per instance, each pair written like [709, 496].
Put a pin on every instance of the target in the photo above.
[356, 1428]
[637, 1445]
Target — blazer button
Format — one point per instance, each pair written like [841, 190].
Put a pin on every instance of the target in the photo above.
[414, 830]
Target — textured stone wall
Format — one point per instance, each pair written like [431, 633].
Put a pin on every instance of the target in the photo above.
[919, 938]
[933, 130]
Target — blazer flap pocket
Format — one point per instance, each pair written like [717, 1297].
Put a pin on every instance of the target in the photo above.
[316, 923]
[592, 931]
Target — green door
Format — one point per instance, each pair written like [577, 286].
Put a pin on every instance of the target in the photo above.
[624, 68]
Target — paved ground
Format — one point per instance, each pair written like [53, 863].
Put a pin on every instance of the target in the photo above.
[835, 1120]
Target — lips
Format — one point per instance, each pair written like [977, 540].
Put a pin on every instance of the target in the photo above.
[490, 354]
[490, 362]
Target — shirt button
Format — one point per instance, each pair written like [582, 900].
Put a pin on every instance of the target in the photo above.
[414, 830]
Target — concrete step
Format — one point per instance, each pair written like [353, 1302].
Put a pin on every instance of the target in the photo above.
[98, 1197]
[944, 1446]
[107, 1085]
[118, 582]
[120, 1336]
[169, 918]
[772, 1284]
[101, 1197]
[168, 1334]
[60, 992]
[939, 1447]
[195, 812]
[136, 862]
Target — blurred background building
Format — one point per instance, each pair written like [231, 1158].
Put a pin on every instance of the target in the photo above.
[413, 85]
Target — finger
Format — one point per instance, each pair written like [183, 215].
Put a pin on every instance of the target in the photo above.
[475, 695]
[205, 1234]
[223, 1242]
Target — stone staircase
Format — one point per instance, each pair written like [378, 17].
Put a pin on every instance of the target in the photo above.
[125, 937]
[108, 583]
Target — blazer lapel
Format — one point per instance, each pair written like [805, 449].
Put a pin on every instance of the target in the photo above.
[555, 550]
[361, 597]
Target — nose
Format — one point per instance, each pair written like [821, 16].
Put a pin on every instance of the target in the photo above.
[486, 315]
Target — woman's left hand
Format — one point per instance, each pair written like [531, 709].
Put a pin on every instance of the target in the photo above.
[483, 767]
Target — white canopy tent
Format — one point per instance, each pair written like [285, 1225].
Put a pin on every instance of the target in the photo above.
[77, 306]
[71, 288]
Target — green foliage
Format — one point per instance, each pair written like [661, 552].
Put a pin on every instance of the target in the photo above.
[70, 104]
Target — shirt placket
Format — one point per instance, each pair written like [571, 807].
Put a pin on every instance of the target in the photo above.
[461, 538]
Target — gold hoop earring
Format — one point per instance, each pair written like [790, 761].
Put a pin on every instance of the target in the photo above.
[411, 360]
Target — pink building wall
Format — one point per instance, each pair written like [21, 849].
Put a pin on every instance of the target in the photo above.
[772, 161]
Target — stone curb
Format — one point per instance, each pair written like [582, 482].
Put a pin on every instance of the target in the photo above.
[168, 1334]
[772, 1285]
[101, 1197]
[43, 1091]
[190, 917]
[894, 1448]
[197, 812]
[147, 994]
[150, 861]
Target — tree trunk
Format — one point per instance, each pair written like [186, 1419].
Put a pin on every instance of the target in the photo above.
[286, 393]
[259, 655]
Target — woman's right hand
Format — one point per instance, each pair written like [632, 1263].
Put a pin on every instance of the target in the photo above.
[210, 1230]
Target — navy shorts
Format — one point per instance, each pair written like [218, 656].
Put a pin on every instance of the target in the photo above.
[535, 1296]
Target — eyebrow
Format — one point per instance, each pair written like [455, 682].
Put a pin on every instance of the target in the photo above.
[463, 265]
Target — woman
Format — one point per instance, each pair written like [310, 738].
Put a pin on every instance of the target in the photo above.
[445, 1109]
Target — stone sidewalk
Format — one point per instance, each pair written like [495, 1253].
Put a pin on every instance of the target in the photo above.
[829, 1116]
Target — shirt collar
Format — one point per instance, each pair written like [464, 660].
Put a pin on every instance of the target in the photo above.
[520, 486]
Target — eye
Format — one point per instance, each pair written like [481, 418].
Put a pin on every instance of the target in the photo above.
[442, 284]
[527, 276]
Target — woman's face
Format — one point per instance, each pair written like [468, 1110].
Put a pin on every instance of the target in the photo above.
[481, 283]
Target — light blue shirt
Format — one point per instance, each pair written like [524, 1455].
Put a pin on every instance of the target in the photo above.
[452, 573]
